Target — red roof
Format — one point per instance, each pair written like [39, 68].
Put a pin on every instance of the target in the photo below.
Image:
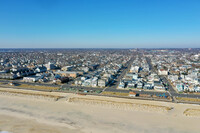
[132, 93]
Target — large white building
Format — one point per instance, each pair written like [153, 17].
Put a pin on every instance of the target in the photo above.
[31, 78]
[50, 66]
[162, 72]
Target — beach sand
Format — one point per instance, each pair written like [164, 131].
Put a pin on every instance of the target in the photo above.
[22, 125]
[24, 115]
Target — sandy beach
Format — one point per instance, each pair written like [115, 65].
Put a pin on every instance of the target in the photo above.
[29, 115]
[24, 125]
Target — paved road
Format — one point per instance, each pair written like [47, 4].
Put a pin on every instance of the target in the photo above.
[127, 68]
[171, 90]
[138, 92]
[150, 65]
[82, 87]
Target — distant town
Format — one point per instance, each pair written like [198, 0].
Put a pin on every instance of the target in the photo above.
[161, 74]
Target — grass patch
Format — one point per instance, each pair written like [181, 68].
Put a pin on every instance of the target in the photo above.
[188, 99]
[38, 87]
[122, 105]
[192, 112]
[114, 93]
[31, 94]
[2, 83]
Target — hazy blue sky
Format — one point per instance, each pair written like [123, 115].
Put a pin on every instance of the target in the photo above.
[99, 23]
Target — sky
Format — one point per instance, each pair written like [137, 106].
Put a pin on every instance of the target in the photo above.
[99, 23]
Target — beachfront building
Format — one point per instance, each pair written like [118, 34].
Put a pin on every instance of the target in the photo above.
[31, 79]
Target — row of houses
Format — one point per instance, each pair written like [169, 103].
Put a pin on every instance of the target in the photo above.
[140, 77]
[93, 82]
